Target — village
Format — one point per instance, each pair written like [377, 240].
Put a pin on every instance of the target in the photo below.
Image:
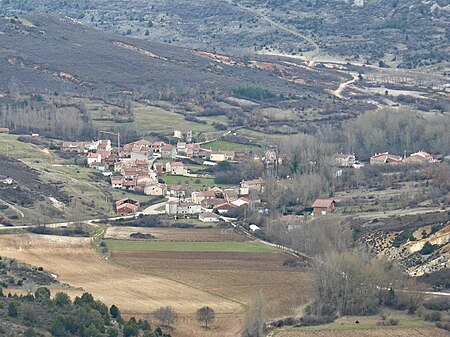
[142, 167]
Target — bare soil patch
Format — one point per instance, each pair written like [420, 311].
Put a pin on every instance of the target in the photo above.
[238, 276]
[178, 234]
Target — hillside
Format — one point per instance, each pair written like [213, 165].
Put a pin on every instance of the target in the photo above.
[286, 26]
[58, 54]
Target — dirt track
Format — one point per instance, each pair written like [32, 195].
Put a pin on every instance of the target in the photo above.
[75, 262]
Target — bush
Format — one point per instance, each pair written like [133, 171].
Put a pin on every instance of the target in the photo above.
[433, 316]
[311, 320]
[443, 325]
[29, 315]
[289, 321]
[438, 304]
[30, 332]
[62, 299]
[12, 310]
[427, 248]
[389, 322]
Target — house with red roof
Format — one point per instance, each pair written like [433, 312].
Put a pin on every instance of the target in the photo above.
[156, 147]
[94, 158]
[168, 151]
[155, 189]
[420, 157]
[181, 191]
[224, 207]
[176, 168]
[323, 206]
[385, 158]
[117, 182]
[255, 184]
[127, 205]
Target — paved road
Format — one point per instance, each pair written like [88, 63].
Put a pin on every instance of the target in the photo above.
[151, 210]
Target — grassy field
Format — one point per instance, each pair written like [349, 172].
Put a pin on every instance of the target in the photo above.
[370, 322]
[225, 145]
[188, 246]
[150, 120]
[409, 326]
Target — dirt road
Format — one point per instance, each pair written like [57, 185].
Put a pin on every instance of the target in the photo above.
[312, 54]
[338, 91]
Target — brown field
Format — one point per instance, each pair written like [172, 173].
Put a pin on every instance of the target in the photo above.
[237, 276]
[385, 332]
[77, 263]
[177, 234]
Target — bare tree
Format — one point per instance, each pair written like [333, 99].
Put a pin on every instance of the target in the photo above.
[348, 283]
[413, 295]
[206, 314]
[166, 315]
[254, 317]
[313, 237]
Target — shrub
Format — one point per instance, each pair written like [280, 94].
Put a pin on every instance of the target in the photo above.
[388, 322]
[62, 299]
[30, 332]
[438, 303]
[427, 248]
[114, 311]
[443, 325]
[29, 314]
[42, 294]
[311, 320]
[12, 310]
[433, 316]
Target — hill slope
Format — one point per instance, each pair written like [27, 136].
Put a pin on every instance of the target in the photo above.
[409, 33]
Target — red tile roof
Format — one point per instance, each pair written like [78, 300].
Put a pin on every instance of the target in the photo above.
[323, 203]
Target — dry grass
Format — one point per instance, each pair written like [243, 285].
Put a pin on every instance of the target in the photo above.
[136, 293]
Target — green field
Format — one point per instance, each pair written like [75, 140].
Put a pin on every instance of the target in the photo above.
[198, 183]
[225, 145]
[182, 246]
